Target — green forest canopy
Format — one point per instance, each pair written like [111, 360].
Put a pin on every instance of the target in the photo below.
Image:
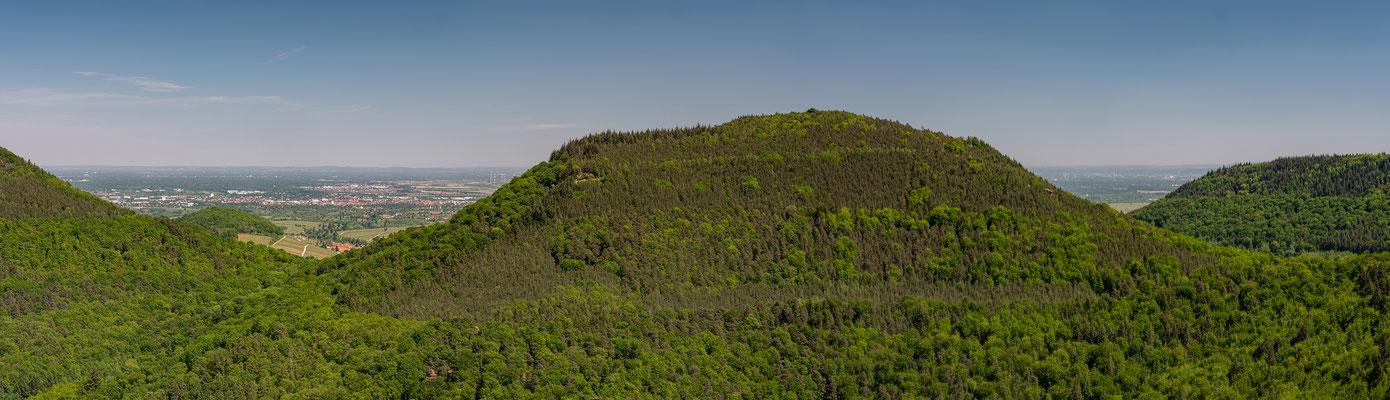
[1286, 206]
[802, 255]
[229, 222]
[27, 191]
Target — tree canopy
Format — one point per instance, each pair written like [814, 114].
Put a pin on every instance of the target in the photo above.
[28, 191]
[229, 222]
[1286, 206]
[804, 255]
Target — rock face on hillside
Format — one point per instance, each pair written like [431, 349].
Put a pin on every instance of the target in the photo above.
[27, 191]
[1286, 206]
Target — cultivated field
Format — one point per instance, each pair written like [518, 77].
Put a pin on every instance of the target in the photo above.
[290, 245]
[370, 233]
[1127, 207]
[301, 247]
[295, 227]
[257, 239]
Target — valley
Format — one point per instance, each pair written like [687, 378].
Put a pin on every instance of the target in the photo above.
[327, 210]
[1124, 187]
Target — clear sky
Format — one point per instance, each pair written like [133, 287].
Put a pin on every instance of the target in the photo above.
[504, 83]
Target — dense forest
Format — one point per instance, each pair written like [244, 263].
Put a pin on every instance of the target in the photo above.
[1286, 206]
[26, 191]
[803, 255]
[227, 222]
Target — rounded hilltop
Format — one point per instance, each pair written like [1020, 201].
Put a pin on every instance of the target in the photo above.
[797, 201]
[227, 222]
[792, 128]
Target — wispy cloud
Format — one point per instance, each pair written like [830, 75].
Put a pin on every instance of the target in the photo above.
[520, 125]
[351, 109]
[264, 100]
[146, 84]
[45, 97]
[285, 55]
[550, 126]
[49, 97]
[161, 93]
[276, 100]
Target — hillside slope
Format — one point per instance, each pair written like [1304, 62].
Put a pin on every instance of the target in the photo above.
[801, 255]
[96, 302]
[27, 191]
[1318, 176]
[788, 203]
[227, 222]
[1287, 206]
[870, 258]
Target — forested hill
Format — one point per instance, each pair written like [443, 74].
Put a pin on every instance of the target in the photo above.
[831, 254]
[802, 255]
[787, 203]
[1317, 176]
[228, 222]
[1287, 206]
[28, 191]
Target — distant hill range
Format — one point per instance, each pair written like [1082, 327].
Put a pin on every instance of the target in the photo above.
[1287, 206]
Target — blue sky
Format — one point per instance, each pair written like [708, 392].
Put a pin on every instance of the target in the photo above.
[503, 84]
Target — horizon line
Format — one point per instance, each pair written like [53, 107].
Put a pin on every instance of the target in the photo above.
[263, 166]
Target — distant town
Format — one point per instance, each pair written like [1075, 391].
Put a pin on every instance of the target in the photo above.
[1124, 188]
[372, 199]
[324, 210]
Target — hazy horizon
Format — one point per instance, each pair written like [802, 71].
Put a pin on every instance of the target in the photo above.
[523, 167]
[520, 166]
[439, 84]
[68, 166]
